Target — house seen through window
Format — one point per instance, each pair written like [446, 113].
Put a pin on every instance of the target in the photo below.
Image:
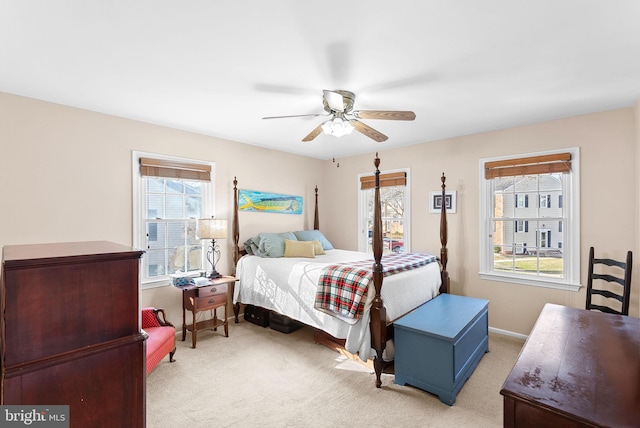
[172, 195]
[172, 207]
[531, 218]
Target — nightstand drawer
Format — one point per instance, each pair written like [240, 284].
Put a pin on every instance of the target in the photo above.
[209, 297]
[211, 290]
[204, 303]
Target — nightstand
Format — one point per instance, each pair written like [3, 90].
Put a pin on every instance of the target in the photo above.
[209, 297]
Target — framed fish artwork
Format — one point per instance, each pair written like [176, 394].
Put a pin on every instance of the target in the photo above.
[251, 200]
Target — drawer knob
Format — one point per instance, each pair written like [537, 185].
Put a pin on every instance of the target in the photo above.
[210, 301]
[214, 289]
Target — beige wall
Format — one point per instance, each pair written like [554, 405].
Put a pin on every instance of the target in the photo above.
[608, 145]
[636, 263]
[66, 176]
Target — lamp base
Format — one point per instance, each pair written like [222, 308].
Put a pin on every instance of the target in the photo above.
[215, 274]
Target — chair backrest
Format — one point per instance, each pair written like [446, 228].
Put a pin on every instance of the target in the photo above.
[611, 285]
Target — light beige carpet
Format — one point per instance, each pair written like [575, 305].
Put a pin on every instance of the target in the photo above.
[258, 377]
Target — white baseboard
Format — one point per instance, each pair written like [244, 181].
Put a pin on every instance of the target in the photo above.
[508, 333]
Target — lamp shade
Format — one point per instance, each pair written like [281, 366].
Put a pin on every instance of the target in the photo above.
[211, 228]
[337, 127]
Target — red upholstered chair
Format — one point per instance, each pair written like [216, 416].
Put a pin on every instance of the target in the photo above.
[162, 337]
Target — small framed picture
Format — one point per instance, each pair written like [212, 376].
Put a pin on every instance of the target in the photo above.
[449, 201]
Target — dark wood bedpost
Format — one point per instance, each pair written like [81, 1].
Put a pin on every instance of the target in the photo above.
[236, 238]
[316, 218]
[235, 226]
[444, 253]
[378, 314]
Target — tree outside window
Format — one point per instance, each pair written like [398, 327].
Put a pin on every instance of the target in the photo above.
[394, 212]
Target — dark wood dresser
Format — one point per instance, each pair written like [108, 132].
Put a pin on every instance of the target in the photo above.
[71, 333]
[578, 368]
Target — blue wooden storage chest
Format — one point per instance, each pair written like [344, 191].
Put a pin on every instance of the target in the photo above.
[439, 344]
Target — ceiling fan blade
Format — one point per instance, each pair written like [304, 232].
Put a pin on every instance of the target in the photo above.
[313, 134]
[295, 115]
[334, 99]
[368, 131]
[382, 114]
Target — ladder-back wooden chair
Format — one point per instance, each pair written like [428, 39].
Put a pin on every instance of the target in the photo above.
[615, 284]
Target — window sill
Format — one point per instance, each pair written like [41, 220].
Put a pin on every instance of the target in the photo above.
[155, 284]
[166, 280]
[531, 282]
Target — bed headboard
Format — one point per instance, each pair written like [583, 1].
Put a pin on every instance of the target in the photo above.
[237, 252]
[377, 231]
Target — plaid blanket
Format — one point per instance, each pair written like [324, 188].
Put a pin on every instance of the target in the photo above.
[342, 286]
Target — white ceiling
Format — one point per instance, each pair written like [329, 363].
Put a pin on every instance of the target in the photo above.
[217, 67]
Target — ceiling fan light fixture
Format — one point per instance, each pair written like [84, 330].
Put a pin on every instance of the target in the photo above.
[344, 119]
[337, 127]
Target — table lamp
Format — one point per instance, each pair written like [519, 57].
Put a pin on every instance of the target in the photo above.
[212, 228]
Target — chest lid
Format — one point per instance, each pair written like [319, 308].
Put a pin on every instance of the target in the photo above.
[446, 315]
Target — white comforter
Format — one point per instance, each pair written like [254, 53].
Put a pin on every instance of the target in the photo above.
[288, 286]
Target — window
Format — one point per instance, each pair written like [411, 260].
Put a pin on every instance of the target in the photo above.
[170, 194]
[524, 243]
[522, 226]
[394, 202]
[545, 201]
[522, 200]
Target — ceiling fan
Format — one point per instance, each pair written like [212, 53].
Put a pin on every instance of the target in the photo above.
[343, 118]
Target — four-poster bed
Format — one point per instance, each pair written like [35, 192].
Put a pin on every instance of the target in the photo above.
[265, 286]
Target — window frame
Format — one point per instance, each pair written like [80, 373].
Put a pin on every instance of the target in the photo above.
[544, 201]
[139, 203]
[570, 234]
[522, 226]
[363, 237]
[522, 200]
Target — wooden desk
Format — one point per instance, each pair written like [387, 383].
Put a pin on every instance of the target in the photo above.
[577, 368]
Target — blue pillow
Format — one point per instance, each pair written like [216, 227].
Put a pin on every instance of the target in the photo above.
[311, 235]
[250, 247]
[269, 244]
